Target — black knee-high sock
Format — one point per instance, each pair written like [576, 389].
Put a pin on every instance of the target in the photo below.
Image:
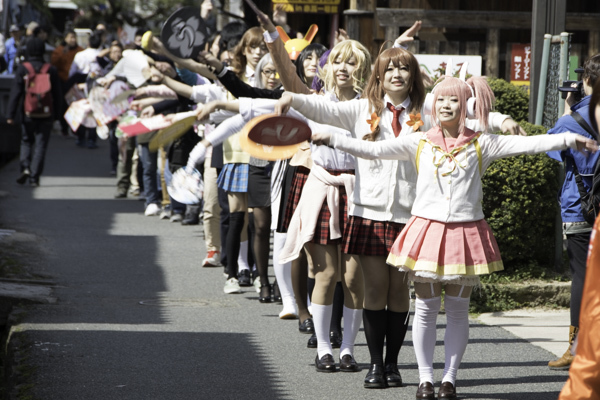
[310, 286]
[251, 253]
[397, 324]
[236, 224]
[375, 323]
[338, 309]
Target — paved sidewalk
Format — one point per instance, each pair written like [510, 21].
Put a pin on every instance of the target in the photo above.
[548, 329]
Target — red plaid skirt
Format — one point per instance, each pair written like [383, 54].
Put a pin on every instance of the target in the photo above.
[298, 181]
[322, 228]
[366, 237]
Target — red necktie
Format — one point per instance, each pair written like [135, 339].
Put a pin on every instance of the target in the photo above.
[396, 125]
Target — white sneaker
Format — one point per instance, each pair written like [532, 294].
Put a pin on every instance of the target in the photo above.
[152, 210]
[213, 259]
[232, 286]
[165, 213]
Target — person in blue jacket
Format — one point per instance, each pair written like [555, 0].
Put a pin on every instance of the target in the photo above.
[575, 228]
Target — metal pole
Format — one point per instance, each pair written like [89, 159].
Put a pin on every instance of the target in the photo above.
[539, 113]
[564, 68]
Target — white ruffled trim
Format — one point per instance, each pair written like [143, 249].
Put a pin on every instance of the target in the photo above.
[430, 277]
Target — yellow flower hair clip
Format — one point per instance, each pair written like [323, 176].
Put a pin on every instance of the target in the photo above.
[374, 121]
[415, 121]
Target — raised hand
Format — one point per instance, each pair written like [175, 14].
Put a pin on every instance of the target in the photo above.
[283, 104]
[408, 35]
[585, 144]
[212, 62]
[510, 126]
[321, 138]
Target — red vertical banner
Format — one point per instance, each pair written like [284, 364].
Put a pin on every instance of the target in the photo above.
[520, 65]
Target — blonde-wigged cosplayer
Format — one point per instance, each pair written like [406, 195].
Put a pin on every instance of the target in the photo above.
[345, 51]
[374, 91]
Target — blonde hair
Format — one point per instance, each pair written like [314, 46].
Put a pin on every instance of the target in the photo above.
[477, 85]
[345, 51]
[374, 91]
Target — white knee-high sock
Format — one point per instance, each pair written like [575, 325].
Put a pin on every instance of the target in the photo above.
[352, 322]
[457, 334]
[424, 335]
[322, 320]
[243, 256]
[283, 273]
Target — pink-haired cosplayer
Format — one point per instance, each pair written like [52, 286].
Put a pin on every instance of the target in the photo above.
[447, 242]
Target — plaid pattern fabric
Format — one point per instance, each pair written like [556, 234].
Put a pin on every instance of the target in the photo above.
[234, 178]
[322, 229]
[298, 182]
[366, 237]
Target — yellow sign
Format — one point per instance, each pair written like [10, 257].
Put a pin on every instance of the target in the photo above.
[309, 6]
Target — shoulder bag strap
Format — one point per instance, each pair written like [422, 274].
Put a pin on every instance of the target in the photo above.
[582, 122]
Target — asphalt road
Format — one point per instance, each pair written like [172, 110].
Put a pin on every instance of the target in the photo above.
[138, 318]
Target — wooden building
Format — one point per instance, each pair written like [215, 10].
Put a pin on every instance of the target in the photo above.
[472, 27]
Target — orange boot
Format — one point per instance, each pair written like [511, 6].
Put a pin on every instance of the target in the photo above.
[565, 361]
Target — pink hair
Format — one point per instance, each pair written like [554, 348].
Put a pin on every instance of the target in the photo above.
[451, 86]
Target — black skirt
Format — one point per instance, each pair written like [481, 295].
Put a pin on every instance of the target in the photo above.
[259, 186]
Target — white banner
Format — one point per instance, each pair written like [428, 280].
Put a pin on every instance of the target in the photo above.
[431, 62]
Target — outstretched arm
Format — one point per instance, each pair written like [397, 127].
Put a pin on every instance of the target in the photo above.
[186, 63]
[287, 70]
[400, 148]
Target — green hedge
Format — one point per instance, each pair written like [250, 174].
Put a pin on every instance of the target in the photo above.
[520, 204]
[510, 99]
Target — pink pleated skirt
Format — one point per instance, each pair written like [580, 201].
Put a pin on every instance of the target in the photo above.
[432, 251]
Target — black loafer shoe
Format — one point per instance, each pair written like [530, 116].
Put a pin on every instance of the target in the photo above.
[447, 391]
[374, 378]
[312, 342]
[325, 363]
[426, 391]
[392, 375]
[336, 339]
[265, 295]
[244, 278]
[306, 326]
[348, 364]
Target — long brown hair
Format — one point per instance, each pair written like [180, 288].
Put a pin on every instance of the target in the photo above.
[374, 91]
[252, 37]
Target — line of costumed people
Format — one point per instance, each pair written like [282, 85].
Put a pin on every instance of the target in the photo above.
[380, 197]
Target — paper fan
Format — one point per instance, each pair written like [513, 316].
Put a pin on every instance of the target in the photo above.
[184, 33]
[101, 100]
[134, 66]
[186, 186]
[181, 124]
[266, 152]
[277, 130]
[137, 126]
